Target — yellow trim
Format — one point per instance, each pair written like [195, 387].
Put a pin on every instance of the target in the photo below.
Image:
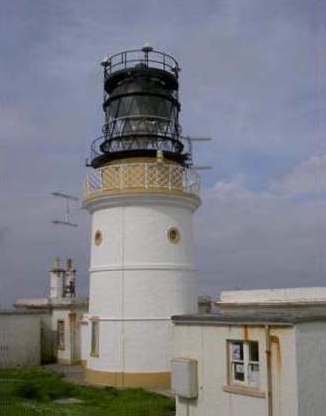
[140, 190]
[140, 160]
[105, 378]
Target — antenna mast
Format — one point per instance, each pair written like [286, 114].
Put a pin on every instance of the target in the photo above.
[67, 216]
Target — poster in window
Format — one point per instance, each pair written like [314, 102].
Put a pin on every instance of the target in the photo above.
[239, 368]
[239, 374]
[237, 352]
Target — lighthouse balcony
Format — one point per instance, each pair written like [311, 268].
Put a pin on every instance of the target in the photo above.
[135, 177]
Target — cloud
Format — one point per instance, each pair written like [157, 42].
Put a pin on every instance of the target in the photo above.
[248, 239]
[309, 177]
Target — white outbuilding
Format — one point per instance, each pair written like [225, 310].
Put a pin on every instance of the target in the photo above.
[262, 354]
[60, 315]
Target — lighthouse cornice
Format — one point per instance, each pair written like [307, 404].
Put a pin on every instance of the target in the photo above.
[108, 199]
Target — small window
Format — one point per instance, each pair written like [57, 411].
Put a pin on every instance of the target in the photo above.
[61, 335]
[98, 238]
[243, 363]
[174, 235]
[95, 339]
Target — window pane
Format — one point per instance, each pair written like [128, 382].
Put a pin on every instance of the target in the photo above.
[95, 338]
[253, 351]
[253, 375]
[237, 351]
[238, 372]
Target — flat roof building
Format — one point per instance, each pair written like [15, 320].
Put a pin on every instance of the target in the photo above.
[44, 330]
[256, 356]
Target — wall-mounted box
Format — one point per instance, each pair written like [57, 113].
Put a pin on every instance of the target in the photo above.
[184, 377]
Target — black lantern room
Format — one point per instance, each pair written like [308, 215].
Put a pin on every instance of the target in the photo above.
[141, 108]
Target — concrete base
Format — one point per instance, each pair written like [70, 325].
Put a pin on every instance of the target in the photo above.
[145, 380]
[64, 361]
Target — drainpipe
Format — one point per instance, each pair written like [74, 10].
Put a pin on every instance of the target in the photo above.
[269, 371]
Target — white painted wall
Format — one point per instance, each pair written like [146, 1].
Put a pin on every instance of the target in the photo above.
[284, 372]
[311, 368]
[20, 340]
[207, 345]
[138, 279]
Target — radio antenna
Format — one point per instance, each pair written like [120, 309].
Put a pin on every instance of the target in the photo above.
[67, 216]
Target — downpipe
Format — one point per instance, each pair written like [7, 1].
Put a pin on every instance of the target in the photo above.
[269, 371]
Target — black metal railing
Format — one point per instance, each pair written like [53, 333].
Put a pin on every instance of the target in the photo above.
[146, 56]
[141, 125]
[142, 142]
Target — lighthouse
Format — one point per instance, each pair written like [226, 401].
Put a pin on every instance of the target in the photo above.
[141, 193]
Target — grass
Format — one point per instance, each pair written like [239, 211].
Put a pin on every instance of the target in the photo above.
[32, 393]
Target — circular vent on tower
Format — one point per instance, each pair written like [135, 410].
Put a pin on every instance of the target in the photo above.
[98, 238]
[174, 235]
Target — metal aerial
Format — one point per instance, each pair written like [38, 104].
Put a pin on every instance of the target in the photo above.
[199, 140]
[66, 221]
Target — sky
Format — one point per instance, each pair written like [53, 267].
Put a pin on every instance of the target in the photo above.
[252, 79]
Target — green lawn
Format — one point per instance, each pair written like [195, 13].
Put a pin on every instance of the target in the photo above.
[32, 392]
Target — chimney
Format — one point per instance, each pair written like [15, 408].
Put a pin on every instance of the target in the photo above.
[57, 277]
[70, 280]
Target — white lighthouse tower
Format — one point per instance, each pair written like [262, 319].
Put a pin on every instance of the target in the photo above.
[141, 193]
